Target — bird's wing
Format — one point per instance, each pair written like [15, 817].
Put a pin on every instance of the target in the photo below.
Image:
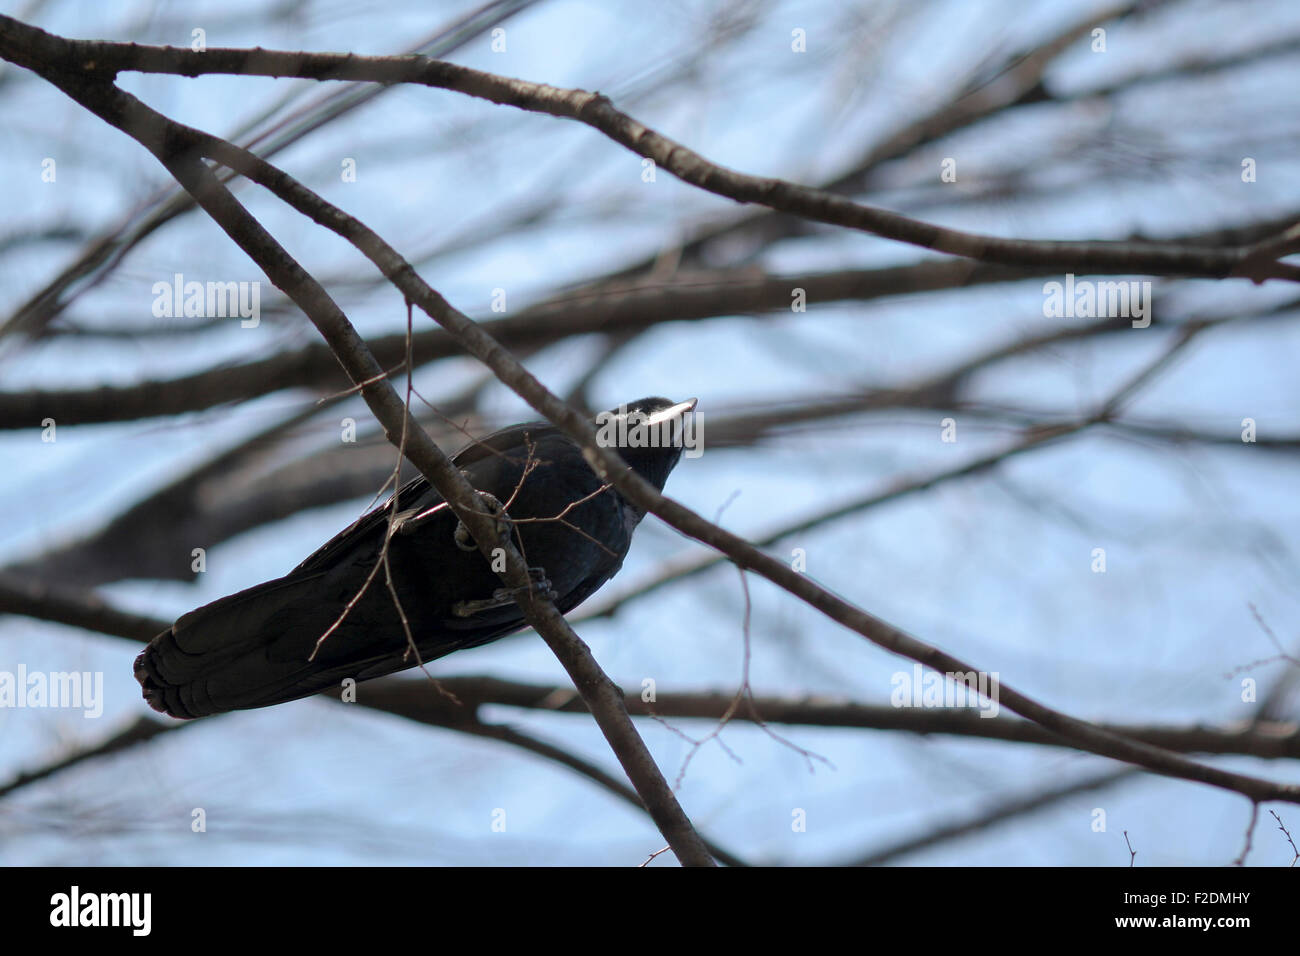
[417, 496]
[414, 497]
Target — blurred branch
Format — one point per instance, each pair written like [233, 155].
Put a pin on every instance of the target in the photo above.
[141, 730]
[76, 608]
[613, 307]
[1010, 809]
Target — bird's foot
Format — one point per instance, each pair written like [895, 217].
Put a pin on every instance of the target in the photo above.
[465, 540]
[538, 585]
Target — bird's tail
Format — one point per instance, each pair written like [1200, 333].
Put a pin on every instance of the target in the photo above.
[250, 649]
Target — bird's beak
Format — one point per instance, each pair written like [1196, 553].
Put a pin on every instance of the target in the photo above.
[672, 412]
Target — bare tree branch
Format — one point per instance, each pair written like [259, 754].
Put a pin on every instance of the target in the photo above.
[101, 61]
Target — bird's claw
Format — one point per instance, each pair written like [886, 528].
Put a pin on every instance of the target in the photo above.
[465, 540]
[538, 585]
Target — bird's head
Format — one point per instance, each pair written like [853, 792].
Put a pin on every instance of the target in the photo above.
[650, 434]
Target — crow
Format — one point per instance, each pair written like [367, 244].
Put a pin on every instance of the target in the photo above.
[297, 635]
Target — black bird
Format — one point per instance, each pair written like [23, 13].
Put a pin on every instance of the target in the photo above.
[263, 645]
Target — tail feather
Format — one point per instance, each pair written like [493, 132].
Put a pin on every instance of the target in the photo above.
[250, 649]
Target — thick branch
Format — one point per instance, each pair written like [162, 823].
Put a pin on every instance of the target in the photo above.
[28, 45]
